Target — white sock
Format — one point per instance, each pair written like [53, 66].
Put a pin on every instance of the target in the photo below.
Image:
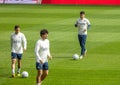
[13, 71]
[18, 70]
[38, 83]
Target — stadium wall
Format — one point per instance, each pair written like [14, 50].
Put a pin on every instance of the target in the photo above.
[83, 2]
[18, 1]
[46, 2]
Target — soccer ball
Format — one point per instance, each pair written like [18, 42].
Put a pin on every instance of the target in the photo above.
[25, 74]
[75, 56]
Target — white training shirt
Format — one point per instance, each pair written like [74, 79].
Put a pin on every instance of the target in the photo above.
[17, 42]
[82, 25]
[42, 51]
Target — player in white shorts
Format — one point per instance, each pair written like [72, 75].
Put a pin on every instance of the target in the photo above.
[83, 24]
[18, 39]
[42, 53]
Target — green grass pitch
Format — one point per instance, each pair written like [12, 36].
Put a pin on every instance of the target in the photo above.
[101, 66]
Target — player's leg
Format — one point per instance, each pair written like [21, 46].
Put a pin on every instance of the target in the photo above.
[80, 42]
[39, 67]
[45, 71]
[19, 67]
[13, 60]
[83, 42]
[38, 77]
[19, 56]
[13, 67]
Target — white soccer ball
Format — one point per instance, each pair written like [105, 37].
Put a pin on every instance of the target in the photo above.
[25, 74]
[75, 56]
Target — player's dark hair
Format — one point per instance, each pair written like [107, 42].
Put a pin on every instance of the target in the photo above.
[43, 32]
[82, 12]
[16, 26]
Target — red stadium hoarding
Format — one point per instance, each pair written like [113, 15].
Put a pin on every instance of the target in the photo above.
[19, 1]
[83, 2]
[46, 1]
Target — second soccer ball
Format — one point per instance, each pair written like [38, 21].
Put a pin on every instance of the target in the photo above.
[25, 74]
[75, 56]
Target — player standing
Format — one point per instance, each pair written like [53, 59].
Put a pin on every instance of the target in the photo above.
[83, 24]
[42, 53]
[17, 40]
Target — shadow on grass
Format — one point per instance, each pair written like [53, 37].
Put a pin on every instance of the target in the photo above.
[61, 57]
[6, 74]
[68, 58]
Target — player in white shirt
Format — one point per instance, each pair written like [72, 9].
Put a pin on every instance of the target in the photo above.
[42, 53]
[18, 40]
[83, 25]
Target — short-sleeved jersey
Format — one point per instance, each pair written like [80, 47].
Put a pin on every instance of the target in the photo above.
[42, 50]
[82, 25]
[17, 42]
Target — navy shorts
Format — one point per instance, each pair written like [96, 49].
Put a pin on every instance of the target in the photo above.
[43, 66]
[16, 56]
